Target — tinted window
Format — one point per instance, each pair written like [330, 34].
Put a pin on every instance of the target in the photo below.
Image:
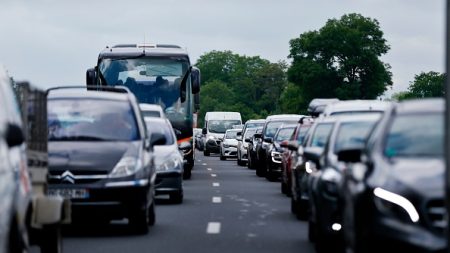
[321, 134]
[416, 135]
[75, 119]
[352, 135]
[220, 126]
[272, 127]
[284, 134]
[249, 133]
[301, 135]
[162, 128]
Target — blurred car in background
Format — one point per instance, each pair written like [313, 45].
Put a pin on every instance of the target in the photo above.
[151, 110]
[198, 139]
[168, 161]
[349, 132]
[252, 123]
[275, 150]
[242, 155]
[271, 126]
[251, 148]
[102, 159]
[355, 107]
[228, 147]
[318, 105]
[393, 188]
[290, 153]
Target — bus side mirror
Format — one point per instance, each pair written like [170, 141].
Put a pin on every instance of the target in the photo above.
[91, 76]
[195, 80]
[204, 131]
[197, 101]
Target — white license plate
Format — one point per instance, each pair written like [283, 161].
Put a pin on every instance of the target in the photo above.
[69, 193]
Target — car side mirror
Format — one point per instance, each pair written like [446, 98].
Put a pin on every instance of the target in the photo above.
[239, 133]
[195, 80]
[292, 145]
[197, 102]
[157, 139]
[257, 136]
[91, 76]
[14, 135]
[268, 139]
[247, 140]
[313, 154]
[185, 145]
[350, 155]
[204, 131]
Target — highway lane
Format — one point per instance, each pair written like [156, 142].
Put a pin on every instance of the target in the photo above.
[226, 209]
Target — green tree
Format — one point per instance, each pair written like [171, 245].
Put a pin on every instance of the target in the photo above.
[341, 60]
[430, 84]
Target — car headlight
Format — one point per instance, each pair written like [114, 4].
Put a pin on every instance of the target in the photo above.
[211, 137]
[127, 166]
[169, 163]
[395, 204]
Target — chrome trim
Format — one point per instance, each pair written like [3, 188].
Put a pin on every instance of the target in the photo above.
[76, 177]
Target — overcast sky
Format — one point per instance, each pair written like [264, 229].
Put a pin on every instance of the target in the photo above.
[53, 42]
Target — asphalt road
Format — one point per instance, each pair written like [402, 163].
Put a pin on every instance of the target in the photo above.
[227, 208]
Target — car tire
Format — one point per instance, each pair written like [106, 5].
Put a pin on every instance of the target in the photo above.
[284, 188]
[152, 214]
[311, 231]
[15, 243]
[240, 162]
[139, 220]
[51, 239]
[223, 158]
[293, 206]
[301, 211]
[206, 152]
[176, 198]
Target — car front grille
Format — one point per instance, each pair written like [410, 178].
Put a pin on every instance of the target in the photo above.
[437, 214]
[77, 177]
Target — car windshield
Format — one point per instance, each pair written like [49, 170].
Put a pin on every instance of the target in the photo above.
[220, 126]
[75, 120]
[249, 132]
[162, 128]
[415, 135]
[302, 133]
[152, 81]
[352, 135]
[321, 134]
[284, 134]
[231, 135]
[272, 128]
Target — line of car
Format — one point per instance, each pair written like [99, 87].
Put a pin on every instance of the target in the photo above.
[82, 155]
[366, 175]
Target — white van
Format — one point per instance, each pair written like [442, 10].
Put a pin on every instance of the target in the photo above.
[216, 124]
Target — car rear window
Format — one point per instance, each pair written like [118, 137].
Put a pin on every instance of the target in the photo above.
[85, 119]
[321, 134]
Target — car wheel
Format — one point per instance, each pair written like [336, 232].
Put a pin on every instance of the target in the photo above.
[311, 231]
[176, 198]
[293, 206]
[187, 174]
[140, 221]
[15, 243]
[205, 152]
[301, 211]
[223, 158]
[152, 214]
[283, 188]
[51, 240]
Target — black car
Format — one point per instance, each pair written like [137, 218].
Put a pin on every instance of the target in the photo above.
[325, 216]
[274, 151]
[271, 126]
[100, 155]
[315, 139]
[251, 148]
[394, 187]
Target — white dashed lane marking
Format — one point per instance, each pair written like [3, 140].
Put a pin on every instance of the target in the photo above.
[204, 164]
[209, 169]
[213, 175]
[217, 199]
[213, 228]
[215, 184]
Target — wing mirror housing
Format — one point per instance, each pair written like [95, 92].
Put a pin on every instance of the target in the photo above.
[257, 136]
[350, 155]
[14, 135]
[185, 145]
[247, 140]
[195, 80]
[157, 139]
[268, 140]
[91, 76]
[292, 145]
[313, 154]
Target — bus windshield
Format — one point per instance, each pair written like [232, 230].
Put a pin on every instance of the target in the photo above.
[152, 80]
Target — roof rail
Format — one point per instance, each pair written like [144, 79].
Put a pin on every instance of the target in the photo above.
[124, 45]
[117, 89]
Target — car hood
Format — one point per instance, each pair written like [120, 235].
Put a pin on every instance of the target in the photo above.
[89, 157]
[161, 152]
[230, 142]
[423, 176]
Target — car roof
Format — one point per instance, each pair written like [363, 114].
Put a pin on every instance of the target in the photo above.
[421, 105]
[281, 117]
[234, 130]
[121, 50]
[356, 117]
[84, 93]
[356, 105]
[255, 121]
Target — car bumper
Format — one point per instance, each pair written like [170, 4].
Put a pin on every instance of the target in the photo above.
[212, 146]
[229, 152]
[168, 182]
[408, 235]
